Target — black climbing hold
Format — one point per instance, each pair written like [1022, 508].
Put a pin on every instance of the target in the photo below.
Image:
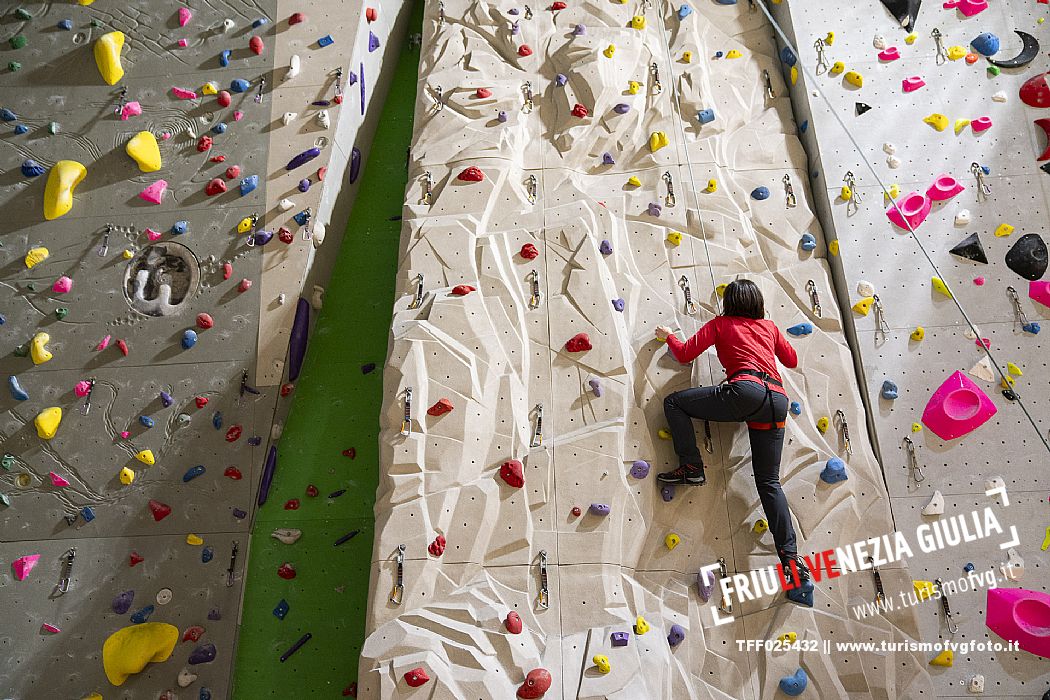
[862, 108]
[971, 249]
[1045, 167]
[1009, 394]
[905, 11]
[1028, 257]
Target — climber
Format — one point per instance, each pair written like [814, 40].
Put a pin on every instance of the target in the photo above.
[748, 346]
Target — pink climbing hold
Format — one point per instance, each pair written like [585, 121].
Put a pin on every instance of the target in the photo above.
[578, 343]
[1039, 291]
[184, 16]
[969, 8]
[529, 252]
[183, 43]
[912, 84]
[159, 510]
[513, 623]
[979, 281]
[124, 434]
[416, 677]
[103, 344]
[944, 187]
[227, 270]
[82, 388]
[62, 285]
[957, 407]
[471, 174]
[153, 235]
[914, 206]
[131, 109]
[437, 547]
[890, 54]
[224, 98]
[256, 45]
[244, 286]
[1020, 615]
[48, 627]
[482, 93]
[238, 115]
[462, 290]
[981, 124]
[370, 14]
[183, 93]
[513, 473]
[155, 192]
[23, 565]
[537, 682]
[57, 480]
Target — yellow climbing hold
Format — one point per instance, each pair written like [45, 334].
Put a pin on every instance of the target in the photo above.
[128, 650]
[633, 87]
[1013, 369]
[247, 222]
[788, 637]
[923, 589]
[610, 50]
[937, 121]
[760, 526]
[38, 348]
[93, 696]
[956, 52]
[846, 193]
[837, 67]
[210, 88]
[945, 658]
[36, 256]
[833, 248]
[830, 38]
[894, 192]
[193, 539]
[638, 22]
[940, 286]
[65, 175]
[144, 150]
[794, 74]
[674, 238]
[733, 53]
[664, 434]
[854, 78]
[672, 540]
[658, 140]
[47, 421]
[85, 2]
[822, 424]
[916, 427]
[712, 185]
[918, 334]
[602, 662]
[687, 56]
[863, 306]
[961, 124]
[640, 625]
[1004, 230]
[107, 56]
[128, 255]
[1007, 382]
[910, 39]
[634, 181]
[126, 476]
[720, 290]
[146, 457]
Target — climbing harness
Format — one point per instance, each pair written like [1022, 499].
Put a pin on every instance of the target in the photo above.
[86, 407]
[789, 192]
[670, 198]
[914, 468]
[67, 570]
[428, 188]
[103, 249]
[542, 598]
[881, 327]
[533, 278]
[399, 581]
[853, 203]
[1019, 314]
[840, 419]
[417, 300]
[690, 305]
[814, 298]
[709, 444]
[769, 84]
[953, 627]
[655, 71]
[532, 187]
[764, 379]
[880, 594]
[406, 424]
[942, 53]
[983, 188]
[526, 90]
[822, 61]
[233, 563]
[537, 432]
[726, 605]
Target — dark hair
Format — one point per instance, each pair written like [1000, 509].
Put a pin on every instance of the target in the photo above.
[743, 298]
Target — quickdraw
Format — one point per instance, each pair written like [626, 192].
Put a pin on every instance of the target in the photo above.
[670, 199]
[655, 71]
[769, 84]
[428, 188]
[814, 297]
[1019, 315]
[103, 250]
[67, 570]
[881, 327]
[532, 187]
[853, 203]
[822, 60]
[789, 192]
[914, 468]
[537, 431]
[983, 188]
[709, 444]
[526, 90]
[880, 594]
[417, 300]
[543, 597]
[953, 627]
[726, 605]
[533, 279]
[406, 423]
[398, 592]
[259, 92]
[942, 53]
[690, 305]
[840, 418]
[233, 563]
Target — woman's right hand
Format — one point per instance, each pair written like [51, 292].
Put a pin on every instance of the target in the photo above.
[662, 332]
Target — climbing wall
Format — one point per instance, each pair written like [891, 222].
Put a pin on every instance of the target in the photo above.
[559, 220]
[909, 153]
[140, 320]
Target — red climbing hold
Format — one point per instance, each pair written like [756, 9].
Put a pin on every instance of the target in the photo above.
[227, 270]
[296, 18]
[201, 401]
[350, 452]
[135, 558]
[513, 473]
[558, 6]
[159, 510]
[442, 407]
[214, 187]
[578, 343]
[233, 172]
[204, 143]
[371, 14]
[234, 433]
[579, 111]
[233, 473]
[462, 290]
[312, 491]
[224, 98]
[416, 677]
[482, 93]
[529, 252]
[576, 511]
[218, 159]
[291, 504]
[524, 50]
[321, 172]
[286, 571]
[285, 235]
[1036, 91]
[123, 345]
[437, 547]
[471, 174]
[287, 388]
[192, 634]
[338, 99]
[537, 682]
[244, 285]
[513, 622]
[256, 45]
[205, 321]
[350, 691]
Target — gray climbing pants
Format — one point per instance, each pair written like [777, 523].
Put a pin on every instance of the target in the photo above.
[734, 402]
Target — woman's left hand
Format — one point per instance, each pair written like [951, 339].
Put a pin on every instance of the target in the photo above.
[662, 332]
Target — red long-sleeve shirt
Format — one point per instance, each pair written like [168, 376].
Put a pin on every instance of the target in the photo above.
[740, 343]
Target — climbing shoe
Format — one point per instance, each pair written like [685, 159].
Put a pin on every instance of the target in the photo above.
[787, 560]
[686, 475]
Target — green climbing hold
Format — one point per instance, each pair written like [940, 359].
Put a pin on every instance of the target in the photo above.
[95, 23]
[993, 70]
[22, 350]
[22, 13]
[13, 66]
[61, 312]
[31, 286]
[7, 461]
[18, 41]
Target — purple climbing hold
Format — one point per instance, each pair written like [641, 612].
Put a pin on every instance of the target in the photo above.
[619, 639]
[579, 30]
[297, 339]
[605, 248]
[501, 117]
[596, 386]
[122, 602]
[214, 614]
[515, 29]
[239, 514]
[705, 583]
[267, 475]
[600, 509]
[622, 108]
[204, 654]
[355, 165]
[667, 492]
[640, 469]
[560, 80]
[654, 209]
[373, 42]
[607, 159]
[368, 368]
[303, 158]
[166, 399]
[676, 636]
[304, 184]
[618, 304]
[351, 78]
[255, 440]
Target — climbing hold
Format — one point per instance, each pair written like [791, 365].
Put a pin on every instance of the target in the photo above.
[981, 124]
[461, 290]
[971, 249]
[674, 238]
[801, 329]
[658, 140]
[863, 307]
[837, 67]
[126, 476]
[912, 83]
[918, 334]
[671, 541]
[193, 472]
[154, 193]
[513, 473]
[889, 390]
[440, 408]
[512, 623]
[578, 343]
[910, 211]
[957, 407]
[609, 51]
[65, 175]
[854, 78]
[944, 187]
[47, 422]
[416, 677]
[128, 650]
[537, 682]
[17, 392]
[945, 658]
[1028, 257]
[602, 662]
[687, 56]
[935, 506]
[760, 193]
[159, 510]
[107, 57]
[618, 304]
[761, 526]
[524, 50]
[619, 639]
[596, 386]
[146, 457]
[203, 654]
[956, 52]
[891, 53]
[24, 564]
[795, 408]
[38, 348]
[733, 53]
[436, 548]
[684, 11]
[600, 509]
[862, 108]
[794, 684]
[940, 286]
[676, 635]
[834, 471]
[808, 242]
[30, 168]
[249, 184]
[640, 469]
[640, 625]
[146, 421]
[937, 121]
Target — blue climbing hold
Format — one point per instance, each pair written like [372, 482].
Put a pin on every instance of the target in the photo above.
[969, 567]
[726, 2]
[7, 115]
[281, 610]
[216, 420]
[240, 85]
[189, 338]
[207, 554]
[788, 56]
[140, 616]
[302, 218]
[30, 168]
[794, 685]
[803, 595]
[205, 694]
[146, 421]
[21, 129]
[605, 248]
[719, 54]
[326, 40]
[986, 44]
[705, 116]
[66, 24]
[1031, 327]
[760, 193]
[249, 184]
[986, 170]
[618, 304]
[796, 408]
[180, 227]
[192, 473]
[87, 513]
[804, 126]
[808, 242]
[17, 392]
[224, 58]
[260, 22]
[801, 329]
[166, 399]
[560, 80]
[684, 11]
[834, 471]
[219, 128]
[373, 42]
[239, 514]
[889, 390]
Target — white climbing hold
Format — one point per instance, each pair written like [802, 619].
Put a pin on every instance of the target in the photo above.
[282, 298]
[879, 42]
[865, 288]
[228, 25]
[186, 677]
[976, 684]
[285, 204]
[293, 67]
[983, 370]
[962, 218]
[317, 298]
[935, 505]
[1013, 568]
[275, 431]
[286, 535]
[323, 120]
[999, 96]
[996, 482]
[288, 117]
[318, 235]
[893, 162]
[889, 148]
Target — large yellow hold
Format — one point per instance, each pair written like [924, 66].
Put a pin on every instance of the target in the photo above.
[658, 140]
[128, 650]
[38, 348]
[144, 150]
[47, 422]
[107, 56]
[58, 193]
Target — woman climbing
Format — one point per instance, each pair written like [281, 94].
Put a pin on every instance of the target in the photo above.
[748, 346]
